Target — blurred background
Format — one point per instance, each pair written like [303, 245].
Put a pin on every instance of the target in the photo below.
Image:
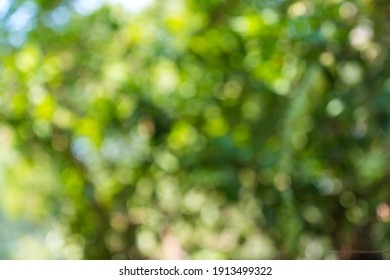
[191, 129]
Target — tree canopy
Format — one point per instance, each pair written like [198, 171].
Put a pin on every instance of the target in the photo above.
[194, 129]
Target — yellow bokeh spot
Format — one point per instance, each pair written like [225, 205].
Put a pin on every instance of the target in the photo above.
[28, 58]
[182, 135]
[45, 110]
[91, 128]
[217, 127]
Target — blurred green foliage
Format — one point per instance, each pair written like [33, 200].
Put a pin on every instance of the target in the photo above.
[195, 129]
